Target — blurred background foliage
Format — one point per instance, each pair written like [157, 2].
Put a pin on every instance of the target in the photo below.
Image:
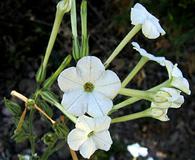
[25, 27]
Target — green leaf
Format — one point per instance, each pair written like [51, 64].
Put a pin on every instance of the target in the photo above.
[49, 96]
[61, 130]
[20, 136]
[45, 107]
[13, 107]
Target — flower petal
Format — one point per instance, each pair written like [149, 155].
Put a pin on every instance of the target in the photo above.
[76, 138]
[85, 123]
[75, 102]
[69, 80]
[149, 30]
[138, 14]
[88, 148]
[144, 53]
[102, 123]
[98, 105]
[108, 84]
[90, 68]
[102, 140]
[182, 84]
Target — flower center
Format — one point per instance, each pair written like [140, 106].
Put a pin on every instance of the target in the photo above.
[88, 87]
[90, 134]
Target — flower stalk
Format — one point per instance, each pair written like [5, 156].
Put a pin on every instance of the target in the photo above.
[147, 95]
[25, 99]
[64, 64]
[63, 7]
[129, 117]
[135, 70]
[122, 44]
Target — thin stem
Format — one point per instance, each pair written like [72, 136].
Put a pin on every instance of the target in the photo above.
[134, 99]
[54, 76]
[73, 154]
[55, 29]
[73, 15]
[131, 117]
[21, 121]
[122, 44]
[70, 116]
[136, 93]
[85, 45]
[135, 70]
[41, 111]
[25, 99]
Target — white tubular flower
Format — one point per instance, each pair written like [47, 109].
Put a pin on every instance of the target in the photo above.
[89, 135]
[144, 53]
[176, 77]
[164, 99]
[150, 24]
[88, 87]
[136, 150]
[168, 98]
[158, 113]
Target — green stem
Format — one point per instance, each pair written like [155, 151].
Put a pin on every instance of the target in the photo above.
[135, 70]
[32, 138]
[85, 45]
[55, 29]
[131, 117]
[75, 41]
[122, 44]
[73, 15]
[136, 93]
[70, 116]
[54, 76]
[134, 99]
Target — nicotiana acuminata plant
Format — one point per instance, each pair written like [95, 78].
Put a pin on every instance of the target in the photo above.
[89, 89]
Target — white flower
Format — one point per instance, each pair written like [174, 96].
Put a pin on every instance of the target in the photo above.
[158, 112]
[176, 77]
[150, 24]
[88, 87]
[164, 99]
[89, 135]
[168, 98]
[144, 53]
[136, 150]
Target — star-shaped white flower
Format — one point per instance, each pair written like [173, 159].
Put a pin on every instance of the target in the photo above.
[89, 135]
[150, 24]
[144, 53]
[88, 87]
[168, 98]
[136, 150]
[176, 77]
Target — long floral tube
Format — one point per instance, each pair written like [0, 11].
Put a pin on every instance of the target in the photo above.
[122, 44]
[131, 116]
[135, 99]
[136, 93]
[135, 70]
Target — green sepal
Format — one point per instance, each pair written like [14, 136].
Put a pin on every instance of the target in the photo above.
[41, 74]
[49, 138]
[13, 108]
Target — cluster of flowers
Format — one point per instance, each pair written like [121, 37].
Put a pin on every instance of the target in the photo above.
[89, 90]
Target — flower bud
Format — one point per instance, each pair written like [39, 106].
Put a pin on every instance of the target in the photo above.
[64, 6]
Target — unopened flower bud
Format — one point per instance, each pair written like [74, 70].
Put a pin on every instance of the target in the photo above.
[64, 6]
